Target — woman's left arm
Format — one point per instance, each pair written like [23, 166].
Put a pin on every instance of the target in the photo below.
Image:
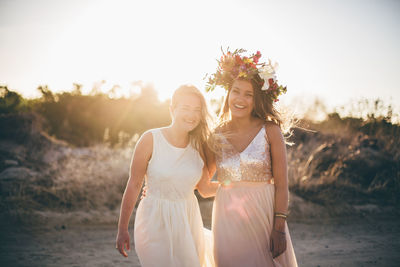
[205, 186]
[279, 171]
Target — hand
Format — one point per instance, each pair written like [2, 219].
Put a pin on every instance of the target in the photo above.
[143, 195]
[277, 243]
[122, 241]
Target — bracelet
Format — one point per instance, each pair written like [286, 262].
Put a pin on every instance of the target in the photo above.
[282, 215]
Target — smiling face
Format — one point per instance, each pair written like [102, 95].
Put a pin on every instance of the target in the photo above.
[186, 113]
[241, 99]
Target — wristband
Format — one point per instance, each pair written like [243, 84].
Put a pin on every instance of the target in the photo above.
[282, 215]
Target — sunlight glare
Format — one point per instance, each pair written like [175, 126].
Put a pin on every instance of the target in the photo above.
[119, 43]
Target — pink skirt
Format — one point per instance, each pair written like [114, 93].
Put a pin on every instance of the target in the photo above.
[242, 223]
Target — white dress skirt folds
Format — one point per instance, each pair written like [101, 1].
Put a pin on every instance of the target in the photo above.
[243, 211]
[168, 228]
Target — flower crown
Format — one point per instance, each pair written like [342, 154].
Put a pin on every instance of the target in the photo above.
[232, 66]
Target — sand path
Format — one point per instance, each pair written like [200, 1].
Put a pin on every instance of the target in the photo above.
[367, 242]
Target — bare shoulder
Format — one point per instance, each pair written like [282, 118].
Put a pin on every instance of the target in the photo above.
[145, 143]
[146, 138]
[274, 133]
[221, 129]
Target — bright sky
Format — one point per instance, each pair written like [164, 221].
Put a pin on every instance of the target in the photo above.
[336, 50]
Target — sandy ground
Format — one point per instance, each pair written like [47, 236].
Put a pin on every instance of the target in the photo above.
[345, 241]
[368, 242]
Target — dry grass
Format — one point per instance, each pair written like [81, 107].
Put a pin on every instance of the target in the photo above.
[345, 161]
[47, 175]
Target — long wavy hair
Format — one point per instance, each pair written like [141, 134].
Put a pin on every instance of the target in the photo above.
[199, 135]
[264, 107]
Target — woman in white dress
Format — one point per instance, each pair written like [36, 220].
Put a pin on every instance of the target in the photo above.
[168, 226]
[250, 207]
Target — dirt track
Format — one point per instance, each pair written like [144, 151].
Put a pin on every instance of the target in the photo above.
[365, 242]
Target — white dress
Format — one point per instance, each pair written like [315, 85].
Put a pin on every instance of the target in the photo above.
[168, 226]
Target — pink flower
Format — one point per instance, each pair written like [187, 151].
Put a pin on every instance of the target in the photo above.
[256, 57]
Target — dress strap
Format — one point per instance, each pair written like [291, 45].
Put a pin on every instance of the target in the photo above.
[156, 143]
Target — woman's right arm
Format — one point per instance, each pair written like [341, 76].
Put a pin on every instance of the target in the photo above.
[139, 162]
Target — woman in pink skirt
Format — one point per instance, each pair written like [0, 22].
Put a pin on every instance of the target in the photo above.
[251, 205]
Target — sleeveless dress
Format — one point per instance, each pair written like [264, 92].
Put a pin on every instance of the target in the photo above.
[168, 227]
[243, 210]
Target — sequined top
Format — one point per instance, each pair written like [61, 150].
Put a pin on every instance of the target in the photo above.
[252, 164]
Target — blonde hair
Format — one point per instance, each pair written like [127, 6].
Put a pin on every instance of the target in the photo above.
[199, 135]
